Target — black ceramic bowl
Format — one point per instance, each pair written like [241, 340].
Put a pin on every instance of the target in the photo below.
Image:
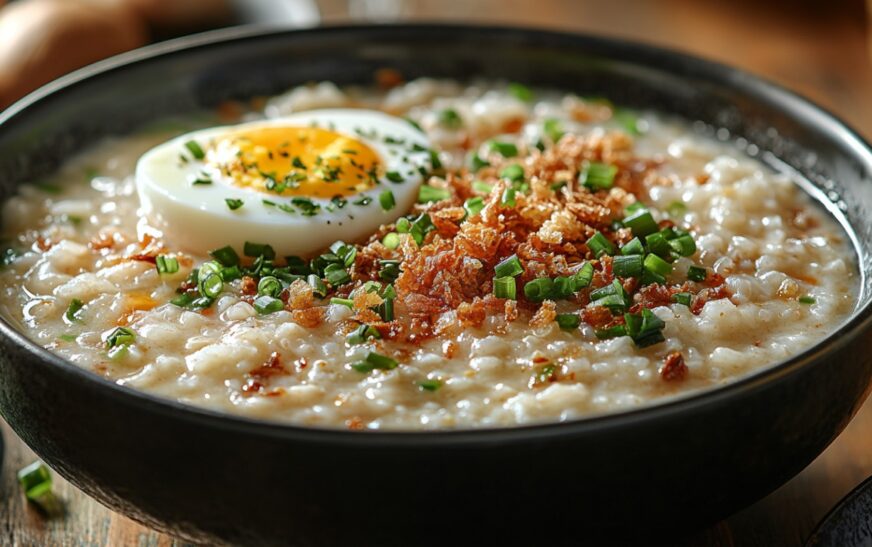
[208, 476]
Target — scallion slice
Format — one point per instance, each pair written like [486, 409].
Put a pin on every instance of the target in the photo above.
[387, 201]
[195, 149]
[600, 245]
[269, 286]
[482, 187]
[553, 129]
[394, 177]
[683, 245]
[509, 267]
[476, 163]
[504, 287]
[520, 91]
[361, 334]
[684, 298]
[473, 206]
[428, 193]
[583, 277]
[375, 361]
[450, 119]
[633, 247]
[36, 481]
[347, 302]
[225, 255]
[391, 240]
[642, 223]
[259, 249]
[513, 172]
[505, 149]
[166, 264]
[568, 321]
[627, 266]
[265, 304]
[234, 204]
[430, 385]
[72, 313]
[539, 289]
[120, 336]
[595, 175]
[611, 332]
[508, 197]
[657, 265]
[806, 299]
[211, 285]
[697, 273]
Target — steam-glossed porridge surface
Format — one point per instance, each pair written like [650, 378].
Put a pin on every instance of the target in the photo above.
[513, 291]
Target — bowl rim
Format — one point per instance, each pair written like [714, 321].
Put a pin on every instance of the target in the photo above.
[714, 72]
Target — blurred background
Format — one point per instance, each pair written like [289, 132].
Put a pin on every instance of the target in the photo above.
[821, 49]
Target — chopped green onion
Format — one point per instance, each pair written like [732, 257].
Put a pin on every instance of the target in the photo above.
[336, 275]
[195, 149]
[568, 321]
[473, 206]
[505, 149]
[404, 226]
[267, 304]
[166, 264]
[390, 270]
[36, 481]
[428, 193]
[539, 289]
[347, 302]
[599, 245]
[683, 245]
[391, 240]
[553, 129]
[225, 255]
[627, 266]
[504, 287]
[482, 187]
[386, 309]
[628, 120]
[649, 278]
[429, 385]
[393, 176]
[361, 334]
[234, 204]
[682, 298]
[420, 227]
[634, 207]
[476, 163]
[259, 249]
[633, 247]
[269, 286]
[562, 288]
[211, 285]
[73, 310]
[509, 267]
[120, 336]
[676, 208]
[583, 277]
[508, 197]
[806, 299]
[450, 119]
[596, 175]
[658, 244]
[697, 273]
[520, 91]
[317, 285]
[387, 201]
[642, 223]
[657, 265]
[375, 361]
[611, 332]
[513, 172]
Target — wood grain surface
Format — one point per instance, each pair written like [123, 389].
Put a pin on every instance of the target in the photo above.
[817, 48]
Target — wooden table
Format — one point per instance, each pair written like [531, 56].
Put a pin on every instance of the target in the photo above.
[817, 48]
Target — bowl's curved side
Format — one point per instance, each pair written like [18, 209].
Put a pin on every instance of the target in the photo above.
[192, 478]
[192, 473]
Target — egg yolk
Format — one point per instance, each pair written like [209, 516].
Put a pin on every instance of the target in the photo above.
[296, 161]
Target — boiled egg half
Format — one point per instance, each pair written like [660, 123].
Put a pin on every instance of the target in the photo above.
[297, 183]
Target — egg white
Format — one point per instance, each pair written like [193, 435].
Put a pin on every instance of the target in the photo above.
[196, 218]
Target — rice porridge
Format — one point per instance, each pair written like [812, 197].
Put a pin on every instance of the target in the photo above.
[425, 255]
